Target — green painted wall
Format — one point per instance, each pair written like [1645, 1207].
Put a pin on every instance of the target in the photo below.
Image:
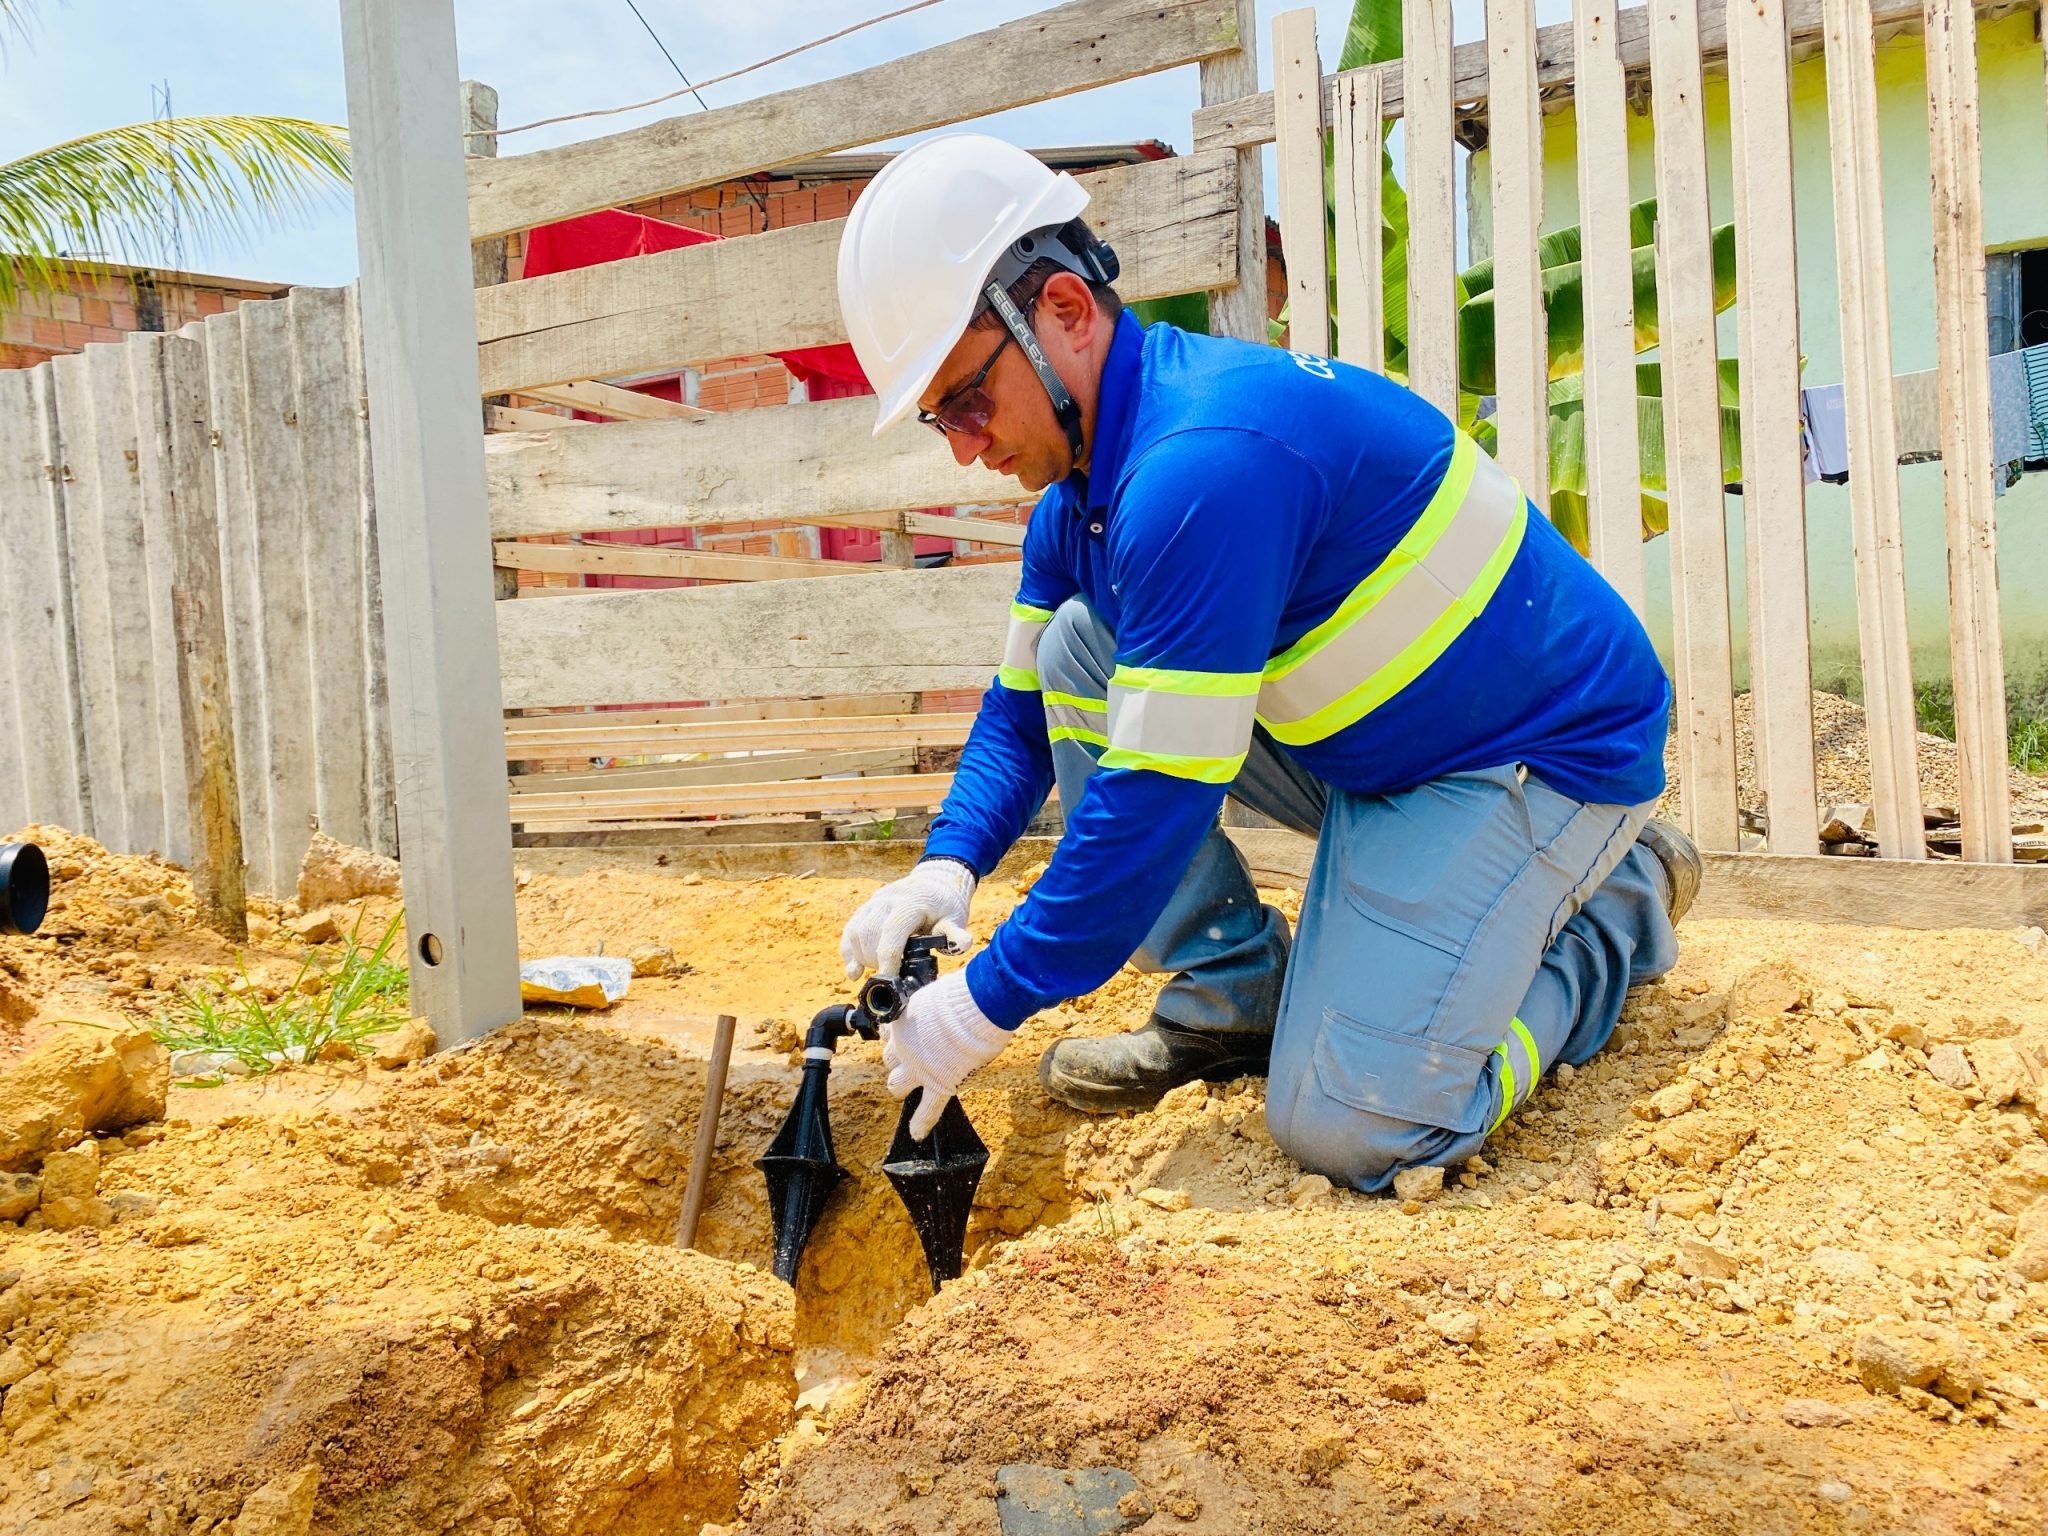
[2014, 88]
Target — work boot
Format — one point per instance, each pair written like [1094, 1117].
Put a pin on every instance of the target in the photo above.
[1131, 1071]
[1681, 861]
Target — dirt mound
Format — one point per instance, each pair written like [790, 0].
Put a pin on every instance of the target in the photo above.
[1653, 1303]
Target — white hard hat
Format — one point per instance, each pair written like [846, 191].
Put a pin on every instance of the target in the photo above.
[919, 247]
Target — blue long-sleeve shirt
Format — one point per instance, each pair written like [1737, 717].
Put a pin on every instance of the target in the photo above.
[1242, 504]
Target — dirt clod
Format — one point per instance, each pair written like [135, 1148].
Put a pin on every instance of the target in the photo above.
[1893, 1357]
[334, 872]
[102, 1075]
[1418, 1183]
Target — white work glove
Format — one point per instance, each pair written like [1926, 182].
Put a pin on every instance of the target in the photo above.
[939, 1038]
[932, 898]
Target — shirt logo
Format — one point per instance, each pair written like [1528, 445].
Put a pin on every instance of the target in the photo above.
[1308, 362]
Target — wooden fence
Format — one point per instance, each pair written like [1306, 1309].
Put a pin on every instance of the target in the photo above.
[1184, 224]
[187, 540]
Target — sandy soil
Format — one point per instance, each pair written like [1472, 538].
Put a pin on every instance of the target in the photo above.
[1686, 1291]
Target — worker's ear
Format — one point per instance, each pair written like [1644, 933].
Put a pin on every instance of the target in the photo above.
[1066, 302]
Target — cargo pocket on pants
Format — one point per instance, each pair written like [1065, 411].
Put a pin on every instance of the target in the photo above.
[1403, 1077]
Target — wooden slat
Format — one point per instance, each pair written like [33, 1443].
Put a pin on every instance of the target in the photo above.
[1432, 320]
[1773, 469]
[146, 375]
[1361, 297]
[1246, 121]
[639, 560]
[1298, 94]
[922, 630]
[206, 737]
[1702, 649]
[327, 393]
[600, 398]
[595, 736]
[95, 642]
[1861, 291]
[908, 791]
[1074, 48]
[1613, 431]
[1173, 222]
[35, 559]
[432, 523]
[1521, 348]
[758, 709]
[763, 769]
[1790, 887]
[513, 418]
[974, 530]
[804, 463]
[1962, 336]
[1237, 308]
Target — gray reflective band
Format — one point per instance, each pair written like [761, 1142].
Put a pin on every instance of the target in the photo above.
[1020, 644]
[1157, 723]
[1095, 722]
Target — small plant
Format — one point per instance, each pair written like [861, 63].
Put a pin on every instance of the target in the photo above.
[1107, 1225]
[366, 996]
[2026, 721]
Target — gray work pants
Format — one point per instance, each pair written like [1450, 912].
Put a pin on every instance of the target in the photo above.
[1456, 941]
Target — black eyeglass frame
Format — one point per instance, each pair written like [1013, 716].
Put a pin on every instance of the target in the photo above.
[955, 413]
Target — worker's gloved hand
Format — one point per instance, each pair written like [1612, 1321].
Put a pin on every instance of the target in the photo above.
[932, 898]
[940, 1037]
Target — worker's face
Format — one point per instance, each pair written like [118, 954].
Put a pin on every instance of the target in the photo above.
[1021, 437]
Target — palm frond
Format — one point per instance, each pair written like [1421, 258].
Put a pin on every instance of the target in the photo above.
[126, 193]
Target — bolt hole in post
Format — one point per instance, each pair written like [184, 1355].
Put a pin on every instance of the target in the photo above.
[430, 948]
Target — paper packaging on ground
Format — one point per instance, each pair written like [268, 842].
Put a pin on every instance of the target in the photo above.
[577, 981]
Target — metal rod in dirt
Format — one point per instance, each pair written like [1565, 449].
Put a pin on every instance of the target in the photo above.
[707, 1131]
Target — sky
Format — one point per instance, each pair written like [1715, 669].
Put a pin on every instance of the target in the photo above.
[92, 64]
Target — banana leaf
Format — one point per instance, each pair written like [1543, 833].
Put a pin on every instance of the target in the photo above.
[1561, 246]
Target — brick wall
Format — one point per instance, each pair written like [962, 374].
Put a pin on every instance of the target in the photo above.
[106, 304]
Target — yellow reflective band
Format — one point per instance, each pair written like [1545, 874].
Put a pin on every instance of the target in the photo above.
[1208, 770]
[1018, 679]
[1406, 664]
[1419, 540]
[1075, 701]
[1219, 685]
[1076, 733]
[1508, 1080]
[1024, 613]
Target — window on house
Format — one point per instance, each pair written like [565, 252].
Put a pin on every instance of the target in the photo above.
[2016, 288]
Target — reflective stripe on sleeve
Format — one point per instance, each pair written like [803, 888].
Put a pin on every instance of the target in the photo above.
[1403, 616]
[1019, 670]
[1192, 725]
[1514, 1088]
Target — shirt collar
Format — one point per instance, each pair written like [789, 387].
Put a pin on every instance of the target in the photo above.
[1114, 407]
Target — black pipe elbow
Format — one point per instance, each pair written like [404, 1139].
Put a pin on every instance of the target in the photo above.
[828, 1025]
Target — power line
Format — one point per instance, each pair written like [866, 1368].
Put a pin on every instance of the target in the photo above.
[631, 5]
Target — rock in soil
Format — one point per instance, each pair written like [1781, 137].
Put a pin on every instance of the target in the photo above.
[1418, 1183]
[334, 872]
[1895, 1356]
[413, 1041]
[102, 1075]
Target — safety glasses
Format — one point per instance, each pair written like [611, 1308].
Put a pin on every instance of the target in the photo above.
[967, 408]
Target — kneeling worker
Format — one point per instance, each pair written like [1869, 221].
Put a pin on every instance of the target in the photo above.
[1269, 574]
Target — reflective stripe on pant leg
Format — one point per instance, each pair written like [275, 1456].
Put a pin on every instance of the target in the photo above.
[1019, 670]
[1068, 717]
[1513, 1088]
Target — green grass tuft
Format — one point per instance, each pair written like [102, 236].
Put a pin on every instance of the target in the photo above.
[366, 995]
[2026, 722]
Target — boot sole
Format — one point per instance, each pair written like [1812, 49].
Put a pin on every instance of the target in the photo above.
[1097, 1098]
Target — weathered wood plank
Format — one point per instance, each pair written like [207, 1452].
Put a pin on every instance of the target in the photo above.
[207, 740]
[1520, 333]
[867, 634]
[1792, 887]
[327, 393]
[804, 462]
[1246, 120]
[1613, 432]
[905, 791]
[598, 737]
[1962, 336]
[1075, 47]
[1238, 307]
[382, 798]
[600, 398]
[1702, 649]
[1432, 320]
[758, 709]
[1773, 470]
[639, 560]
[146, 368]
[1361, 297]
[418, 329]
[1173, 222]
[513, 418]
[1297, 86]
[33, 555]
[766, 768]
[971, 530]
[1868, 395]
